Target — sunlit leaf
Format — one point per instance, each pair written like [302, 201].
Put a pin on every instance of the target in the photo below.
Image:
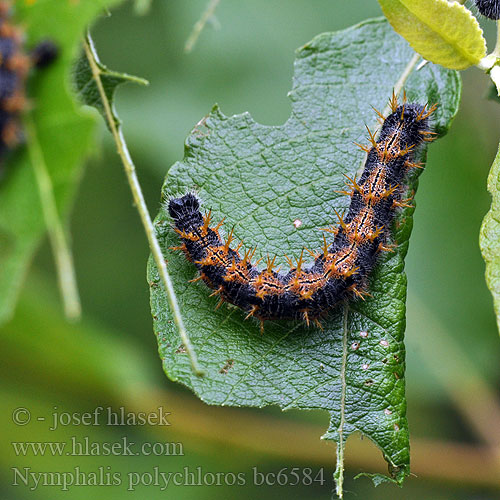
[442, 32]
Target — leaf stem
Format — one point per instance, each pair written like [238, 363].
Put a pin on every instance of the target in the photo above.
[398, 87]
[339, 470]
[60, 247]
[140, 204]
[200, 24]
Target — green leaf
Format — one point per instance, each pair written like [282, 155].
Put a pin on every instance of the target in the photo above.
[442, 32]
[489, 237]
[86, 85]
[262, 179]
[63, 133]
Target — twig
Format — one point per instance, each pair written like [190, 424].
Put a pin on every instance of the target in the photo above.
[402, 80]
[339, 470]
[60, 247]
[200, 24]
[140, 204]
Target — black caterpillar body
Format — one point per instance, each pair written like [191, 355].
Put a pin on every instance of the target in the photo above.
[489, 8]
[340, 270]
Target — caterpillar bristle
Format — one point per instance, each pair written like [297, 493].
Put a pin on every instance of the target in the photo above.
[393, 102]
[386, 248]
[364, 148]
[340, 269]
[379, 114]
[290, 262]
[318, 324]
[252, 311]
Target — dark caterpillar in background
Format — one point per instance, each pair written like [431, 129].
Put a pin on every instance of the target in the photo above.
[489, 8]
[340, 270]
[15, 64]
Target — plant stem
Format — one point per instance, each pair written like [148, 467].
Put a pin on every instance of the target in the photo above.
[140, 204]
[402, 80]
[60, 247]
[200, 24]
[339, 470]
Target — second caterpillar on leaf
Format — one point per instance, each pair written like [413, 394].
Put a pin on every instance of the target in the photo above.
[341, 268]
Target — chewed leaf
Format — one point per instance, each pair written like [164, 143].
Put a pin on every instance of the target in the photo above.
[86, 86]
[277, 186]
[442, 32]
[489, 238]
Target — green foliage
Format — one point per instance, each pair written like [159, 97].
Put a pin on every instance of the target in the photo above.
[489, 238]
[442, 32]
[262, 179]
[63, 133]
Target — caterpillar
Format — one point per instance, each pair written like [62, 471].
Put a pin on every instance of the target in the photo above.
[489, 8]
[340, 269]
[15, 64]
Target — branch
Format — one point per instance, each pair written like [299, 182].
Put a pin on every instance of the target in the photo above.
[198, 27]
[140, 203]
[60, 247]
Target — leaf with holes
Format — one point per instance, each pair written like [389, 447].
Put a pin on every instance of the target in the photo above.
[64, 134]
[264, 180]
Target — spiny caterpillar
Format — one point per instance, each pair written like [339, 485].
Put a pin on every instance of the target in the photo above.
[15, 64]
[489, 8]
[340, 270]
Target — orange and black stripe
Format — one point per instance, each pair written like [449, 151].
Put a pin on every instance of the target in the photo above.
[340, 269]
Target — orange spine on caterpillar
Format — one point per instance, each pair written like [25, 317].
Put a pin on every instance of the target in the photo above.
[340, 269]
[15, 64]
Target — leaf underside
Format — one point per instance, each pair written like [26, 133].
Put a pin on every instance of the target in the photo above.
[442, 32]
[489, 237]
[63, 132]
[262, 179]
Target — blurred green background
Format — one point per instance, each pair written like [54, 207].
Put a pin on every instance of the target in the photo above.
[244, 61]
